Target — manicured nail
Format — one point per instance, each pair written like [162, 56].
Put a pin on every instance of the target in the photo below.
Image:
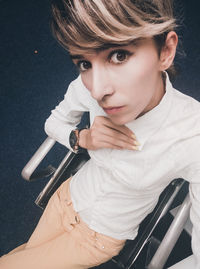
[135, 148]
[137, 143]
[133, 136]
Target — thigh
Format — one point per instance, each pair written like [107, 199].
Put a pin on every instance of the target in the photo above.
[59, 253]
[21, 247]
[67, 244]
[50, 224]
[63, 252]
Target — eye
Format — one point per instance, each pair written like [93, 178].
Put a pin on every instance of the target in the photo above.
[119, 56]
[83, 65]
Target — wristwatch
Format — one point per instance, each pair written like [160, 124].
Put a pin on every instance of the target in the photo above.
[74, 141]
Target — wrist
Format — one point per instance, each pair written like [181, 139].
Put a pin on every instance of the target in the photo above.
[83, 134]
[74, 141]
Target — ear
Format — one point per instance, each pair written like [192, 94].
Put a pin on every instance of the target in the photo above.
[168, 51]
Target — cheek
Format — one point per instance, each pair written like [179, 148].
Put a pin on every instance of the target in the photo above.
[145, 69]
[140, 76]
[86, 79]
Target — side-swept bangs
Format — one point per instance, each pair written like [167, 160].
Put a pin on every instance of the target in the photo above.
[85, 25]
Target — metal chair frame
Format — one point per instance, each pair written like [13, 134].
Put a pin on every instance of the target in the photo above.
[71, 163]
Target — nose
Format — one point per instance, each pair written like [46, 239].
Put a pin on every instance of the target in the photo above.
[101, 83]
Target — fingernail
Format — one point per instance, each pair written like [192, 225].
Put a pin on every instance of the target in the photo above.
[133, 136]
[137, 143]
[135, 147]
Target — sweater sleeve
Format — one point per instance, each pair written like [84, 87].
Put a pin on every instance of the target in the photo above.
[67, 114]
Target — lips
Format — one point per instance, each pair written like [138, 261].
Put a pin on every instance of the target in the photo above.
[113, 110]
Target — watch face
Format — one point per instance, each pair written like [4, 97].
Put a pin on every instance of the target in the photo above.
[72, 139]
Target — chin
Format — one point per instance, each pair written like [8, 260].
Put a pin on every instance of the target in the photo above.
[119, 120]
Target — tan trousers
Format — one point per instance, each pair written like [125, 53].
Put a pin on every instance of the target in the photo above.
[62, 240]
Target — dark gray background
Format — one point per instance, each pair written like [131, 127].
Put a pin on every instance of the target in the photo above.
[32, 84]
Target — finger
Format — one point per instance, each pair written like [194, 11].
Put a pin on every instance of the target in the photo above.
[114, 143]
[114, 146]
[110, 146]
[118, 136]
[120, 128]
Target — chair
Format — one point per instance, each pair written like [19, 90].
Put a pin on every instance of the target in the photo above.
[129, 255]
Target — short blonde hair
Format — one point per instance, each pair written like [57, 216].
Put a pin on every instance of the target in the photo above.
[84, 25]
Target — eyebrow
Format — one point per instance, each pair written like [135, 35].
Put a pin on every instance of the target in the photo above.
[105, 47]
[76, 56]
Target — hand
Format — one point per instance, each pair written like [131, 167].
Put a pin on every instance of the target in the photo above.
[105, 134]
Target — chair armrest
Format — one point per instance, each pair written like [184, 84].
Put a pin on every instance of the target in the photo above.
[55, 181]
[159, 259]
[28, 171]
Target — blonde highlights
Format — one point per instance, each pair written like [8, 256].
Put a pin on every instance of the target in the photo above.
[81, 25]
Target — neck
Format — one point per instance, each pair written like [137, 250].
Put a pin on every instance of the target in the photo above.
[159, 93]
